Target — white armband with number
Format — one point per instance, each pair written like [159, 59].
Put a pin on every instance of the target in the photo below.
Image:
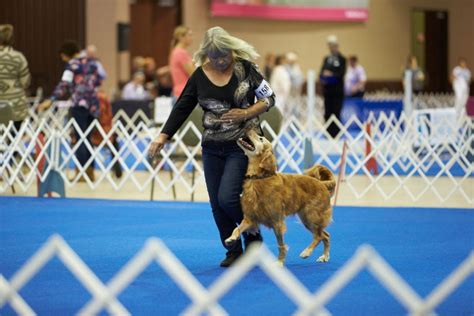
[263, 90]
[68, 76]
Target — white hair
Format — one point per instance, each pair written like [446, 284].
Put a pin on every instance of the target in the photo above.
[217, 39]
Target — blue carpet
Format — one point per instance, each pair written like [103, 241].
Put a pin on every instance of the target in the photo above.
[422, 245]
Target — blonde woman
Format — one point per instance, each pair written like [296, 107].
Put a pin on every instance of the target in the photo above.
[181, 65]
[232, 93]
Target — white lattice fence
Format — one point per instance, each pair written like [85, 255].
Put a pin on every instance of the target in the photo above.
[403, 149]
[206, 300]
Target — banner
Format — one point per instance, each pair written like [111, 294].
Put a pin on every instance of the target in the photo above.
[302, 10]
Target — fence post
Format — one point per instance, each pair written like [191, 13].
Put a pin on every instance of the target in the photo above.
[54, 181]
[371, 164]
[311, 91]
[342, 171]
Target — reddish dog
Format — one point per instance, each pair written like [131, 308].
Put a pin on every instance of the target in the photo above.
[269, 197]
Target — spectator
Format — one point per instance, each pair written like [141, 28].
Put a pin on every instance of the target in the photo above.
[232, 93]
[14, 76]
[181, 64]
[280, 82]
[79, 82]
[165, 86]
[138, 64]
[270, 60]
[296, 75]
[91, 53]
[355, 79]
[332, 74]
[461, 80]
[135, 89]
[416, 74]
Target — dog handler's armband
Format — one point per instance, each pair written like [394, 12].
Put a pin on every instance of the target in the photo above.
[263, 90]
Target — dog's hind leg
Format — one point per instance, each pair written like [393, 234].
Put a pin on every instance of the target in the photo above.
[325, 256]
[279, 230]
[244, 225]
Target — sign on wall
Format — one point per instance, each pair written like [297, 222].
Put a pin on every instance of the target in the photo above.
[303, 10]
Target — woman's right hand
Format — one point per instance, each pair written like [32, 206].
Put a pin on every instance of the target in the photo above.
[157, 145]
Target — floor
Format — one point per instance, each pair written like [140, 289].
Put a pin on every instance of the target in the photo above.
[423, 245]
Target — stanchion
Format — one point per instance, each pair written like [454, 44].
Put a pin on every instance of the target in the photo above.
[342, 171]
[371, 163]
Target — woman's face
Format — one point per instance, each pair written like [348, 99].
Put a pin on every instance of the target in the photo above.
[187, 38]
[220, 60]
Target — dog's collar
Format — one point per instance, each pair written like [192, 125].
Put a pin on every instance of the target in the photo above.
[255, 177]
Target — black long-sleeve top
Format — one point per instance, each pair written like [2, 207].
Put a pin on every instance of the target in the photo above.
[337, 65]
[246, 84]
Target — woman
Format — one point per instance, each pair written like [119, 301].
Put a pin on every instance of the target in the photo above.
[181, 65]
[225, 85]
[417, 75]
[280, 81]
[14, 76]
[79, 82]
[461, 80]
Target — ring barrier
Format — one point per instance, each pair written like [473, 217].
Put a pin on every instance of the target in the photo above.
[206, 300]
[423, 147]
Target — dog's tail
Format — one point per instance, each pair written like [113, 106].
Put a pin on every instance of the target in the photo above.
[324, 175]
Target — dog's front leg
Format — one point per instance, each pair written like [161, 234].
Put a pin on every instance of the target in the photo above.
[245, 225]
[279, 229]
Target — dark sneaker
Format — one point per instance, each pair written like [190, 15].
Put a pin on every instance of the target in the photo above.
[251, 238]
[230, 259]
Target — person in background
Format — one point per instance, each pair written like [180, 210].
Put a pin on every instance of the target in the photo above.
[296, 75]
[331, 75]
[91, 53]
[232, 93]
[280, 82]
[79, 83]
[135, 89]
[417, 75]
[14, 76]
[180, 61]
[138, 64]
[270, 60]
[165, 86]
[355, 79]
[461, 80]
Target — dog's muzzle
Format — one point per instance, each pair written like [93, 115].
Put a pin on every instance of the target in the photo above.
[246, 143]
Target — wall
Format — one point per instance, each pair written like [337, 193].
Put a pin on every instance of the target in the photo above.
[382, 43]
[101, 20]
[40, 28]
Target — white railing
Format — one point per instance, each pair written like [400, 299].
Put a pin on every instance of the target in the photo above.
[421, 148]
[105, 296]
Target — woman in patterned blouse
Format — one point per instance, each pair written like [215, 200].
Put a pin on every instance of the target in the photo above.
[232, 93]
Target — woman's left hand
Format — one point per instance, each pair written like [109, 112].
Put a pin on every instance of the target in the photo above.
[235, 115]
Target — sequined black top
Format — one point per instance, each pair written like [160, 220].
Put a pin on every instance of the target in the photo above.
[245, 86]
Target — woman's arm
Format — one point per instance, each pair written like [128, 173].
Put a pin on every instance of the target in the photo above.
[181, 111]
[264, 94]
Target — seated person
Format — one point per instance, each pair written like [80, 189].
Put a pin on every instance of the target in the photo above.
[135, 90]
[354, 85]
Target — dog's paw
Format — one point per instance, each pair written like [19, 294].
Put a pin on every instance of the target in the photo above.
[230, 241]
[280, 263]
[323, 258]
[305, 253]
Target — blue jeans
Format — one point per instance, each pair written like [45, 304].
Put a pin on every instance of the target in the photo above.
[224, 169]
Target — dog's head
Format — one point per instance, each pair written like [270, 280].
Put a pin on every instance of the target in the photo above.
[259, 151]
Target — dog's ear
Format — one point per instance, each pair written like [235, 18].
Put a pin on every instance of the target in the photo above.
[268, 162]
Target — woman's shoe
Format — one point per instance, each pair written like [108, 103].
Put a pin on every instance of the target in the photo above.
[230, 258]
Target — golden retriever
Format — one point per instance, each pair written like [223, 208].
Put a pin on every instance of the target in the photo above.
[269, 197]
